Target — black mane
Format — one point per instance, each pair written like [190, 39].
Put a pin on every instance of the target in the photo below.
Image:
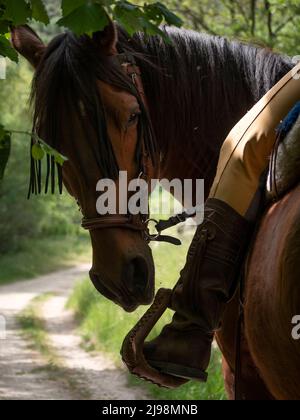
[205, 85]
[197, 87]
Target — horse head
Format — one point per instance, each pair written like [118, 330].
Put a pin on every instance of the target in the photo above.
[87, 108]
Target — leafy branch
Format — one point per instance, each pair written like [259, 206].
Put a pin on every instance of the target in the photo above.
[39, 149]
[85, 16]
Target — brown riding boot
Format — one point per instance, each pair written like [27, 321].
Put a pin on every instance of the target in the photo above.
[206, 284]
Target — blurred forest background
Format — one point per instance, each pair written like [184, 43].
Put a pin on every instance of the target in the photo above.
[44, 233]
[271, 23]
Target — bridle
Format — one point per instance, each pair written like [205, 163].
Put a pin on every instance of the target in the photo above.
[139, 222]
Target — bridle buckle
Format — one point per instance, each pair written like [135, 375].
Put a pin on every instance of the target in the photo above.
[151, 237]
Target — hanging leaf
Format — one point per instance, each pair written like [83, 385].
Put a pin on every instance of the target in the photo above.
[151, 29]
[129, 17]
[59, 158]
[39, 11]
[4, 26]
[69, 6]
[40, 149]
[16, 11]
[169, 17]
[37, 152]
[6, 50]
[145, 18]
[86, 19]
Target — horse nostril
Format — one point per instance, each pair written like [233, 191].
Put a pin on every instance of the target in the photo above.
[137, 276]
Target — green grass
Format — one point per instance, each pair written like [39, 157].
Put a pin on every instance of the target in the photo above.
[103, 325]
[41, 256]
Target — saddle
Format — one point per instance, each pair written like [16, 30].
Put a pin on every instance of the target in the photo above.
[284, 169]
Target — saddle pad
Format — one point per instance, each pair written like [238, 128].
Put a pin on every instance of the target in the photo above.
[284, 171]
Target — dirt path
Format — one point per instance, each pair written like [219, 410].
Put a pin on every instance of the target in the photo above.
[25, 374]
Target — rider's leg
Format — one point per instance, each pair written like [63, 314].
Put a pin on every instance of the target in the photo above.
[245, 153]
[207, 281]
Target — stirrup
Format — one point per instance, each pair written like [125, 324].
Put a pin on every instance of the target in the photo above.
[132, 347]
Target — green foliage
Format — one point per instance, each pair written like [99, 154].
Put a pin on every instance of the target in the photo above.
[68, 6]
[37, 256]
[37, 152]
[22, 219]
[40, 149]
[90, 16]
[84, 16]
[146, 18]
[6, 50]
[39, 11]
[271, 23]
[16, 11]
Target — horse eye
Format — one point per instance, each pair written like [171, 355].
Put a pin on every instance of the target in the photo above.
[133, 118]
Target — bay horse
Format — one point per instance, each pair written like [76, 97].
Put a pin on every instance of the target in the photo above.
[197, 88]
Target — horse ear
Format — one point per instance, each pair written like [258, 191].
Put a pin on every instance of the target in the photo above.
[28, 44]
[107, 39]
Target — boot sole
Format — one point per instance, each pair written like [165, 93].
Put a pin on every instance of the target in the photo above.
[179, 371]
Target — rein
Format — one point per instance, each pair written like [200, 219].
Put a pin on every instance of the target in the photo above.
[139, 222]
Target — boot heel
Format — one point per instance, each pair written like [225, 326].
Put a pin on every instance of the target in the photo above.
[179, 371]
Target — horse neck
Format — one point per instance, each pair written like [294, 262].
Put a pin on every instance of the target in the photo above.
[202, 87]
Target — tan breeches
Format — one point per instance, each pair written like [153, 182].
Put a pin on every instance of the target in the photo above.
[246, 152]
